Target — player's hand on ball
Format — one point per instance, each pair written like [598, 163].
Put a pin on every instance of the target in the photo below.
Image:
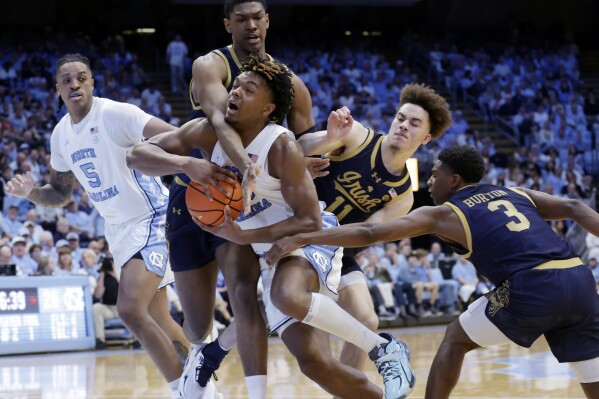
[247, 185]
[20, 186]
[229, 230]
[280, 248]
[206, 173]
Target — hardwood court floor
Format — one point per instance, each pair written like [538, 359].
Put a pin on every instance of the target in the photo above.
[506, 372]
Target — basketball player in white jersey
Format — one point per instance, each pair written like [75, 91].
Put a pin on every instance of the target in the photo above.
[90, 144]
[302, 287]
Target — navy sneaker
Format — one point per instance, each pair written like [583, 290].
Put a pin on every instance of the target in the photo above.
[392, 360]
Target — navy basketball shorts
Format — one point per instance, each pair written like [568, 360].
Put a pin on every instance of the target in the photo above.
[189, 246]
[561, 304]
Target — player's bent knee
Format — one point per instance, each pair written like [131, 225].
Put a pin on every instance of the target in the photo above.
[587, 371]
[130, 315]
[287, 302]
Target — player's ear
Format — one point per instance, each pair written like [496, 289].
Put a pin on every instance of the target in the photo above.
[267, 20]
[268, 109]
[227, 24]
[427, 138]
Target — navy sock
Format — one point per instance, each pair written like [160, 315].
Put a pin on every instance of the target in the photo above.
[214, 352]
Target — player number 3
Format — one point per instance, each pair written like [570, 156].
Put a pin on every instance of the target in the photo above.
[511, 211]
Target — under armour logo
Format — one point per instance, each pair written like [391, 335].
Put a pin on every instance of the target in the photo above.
[156, 259]
[376, 177]
[177, 211]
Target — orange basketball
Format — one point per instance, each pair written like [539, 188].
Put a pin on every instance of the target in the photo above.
[211, 213]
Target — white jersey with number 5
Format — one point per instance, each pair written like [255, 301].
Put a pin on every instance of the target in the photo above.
[95, 150]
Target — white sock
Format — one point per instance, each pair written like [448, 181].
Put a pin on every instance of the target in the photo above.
[174, 387]
[326, 315]
[256, 386]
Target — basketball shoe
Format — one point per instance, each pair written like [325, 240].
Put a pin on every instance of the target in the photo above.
[392, 360]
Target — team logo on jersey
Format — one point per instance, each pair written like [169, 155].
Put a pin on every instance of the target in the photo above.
[156, 259]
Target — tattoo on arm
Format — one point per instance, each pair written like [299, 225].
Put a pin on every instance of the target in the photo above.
[55, 194]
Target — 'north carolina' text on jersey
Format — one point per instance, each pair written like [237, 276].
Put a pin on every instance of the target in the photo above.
[359, 184]
[505, 232]
[268, 205]
[95, 150]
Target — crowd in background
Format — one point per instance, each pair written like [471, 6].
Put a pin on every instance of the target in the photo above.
[538, 92]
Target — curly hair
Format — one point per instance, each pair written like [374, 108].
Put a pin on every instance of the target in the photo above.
[76, 57]
[436, 106]
[464, 161]
[278, 77]
[230, 4]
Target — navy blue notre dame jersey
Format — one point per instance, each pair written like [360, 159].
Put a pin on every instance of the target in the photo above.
[359, 184]
[506, 234]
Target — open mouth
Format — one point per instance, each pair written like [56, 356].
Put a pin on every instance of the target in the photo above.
[253, 38]
[233, 107]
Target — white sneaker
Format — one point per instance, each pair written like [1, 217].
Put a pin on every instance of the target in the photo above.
[187, 382]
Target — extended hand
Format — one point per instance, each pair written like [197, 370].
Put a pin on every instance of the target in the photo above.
[316, 165]
[281, 248]
[339, 124]
[207, 173]
[229, 230]
[20, 186]
[247, 185]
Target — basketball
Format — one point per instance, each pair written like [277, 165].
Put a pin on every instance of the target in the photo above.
[211, 213]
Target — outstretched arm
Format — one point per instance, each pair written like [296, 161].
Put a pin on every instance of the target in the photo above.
[167, 153]
[438, 220]
[209, 74]
[53, 195]
[556, 208]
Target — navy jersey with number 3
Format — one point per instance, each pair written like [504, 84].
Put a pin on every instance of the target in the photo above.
[505, 232]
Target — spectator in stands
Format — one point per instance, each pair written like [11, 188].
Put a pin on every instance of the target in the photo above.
[32, 225]
[10, 224]
[35, 252]
[106, 293]
[465, 274]
[76, 250]
[62, 229]
[79, 221]
[65, 261]
[20, 257]
[176, 53]
[416, 274]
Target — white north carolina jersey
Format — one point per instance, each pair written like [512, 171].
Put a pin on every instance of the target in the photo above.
[268, 205]
[95, 150]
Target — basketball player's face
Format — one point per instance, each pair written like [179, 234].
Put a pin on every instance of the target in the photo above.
[250, 101]
[75, 85]
[410, 128]
[440, 183]
[248, 24]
